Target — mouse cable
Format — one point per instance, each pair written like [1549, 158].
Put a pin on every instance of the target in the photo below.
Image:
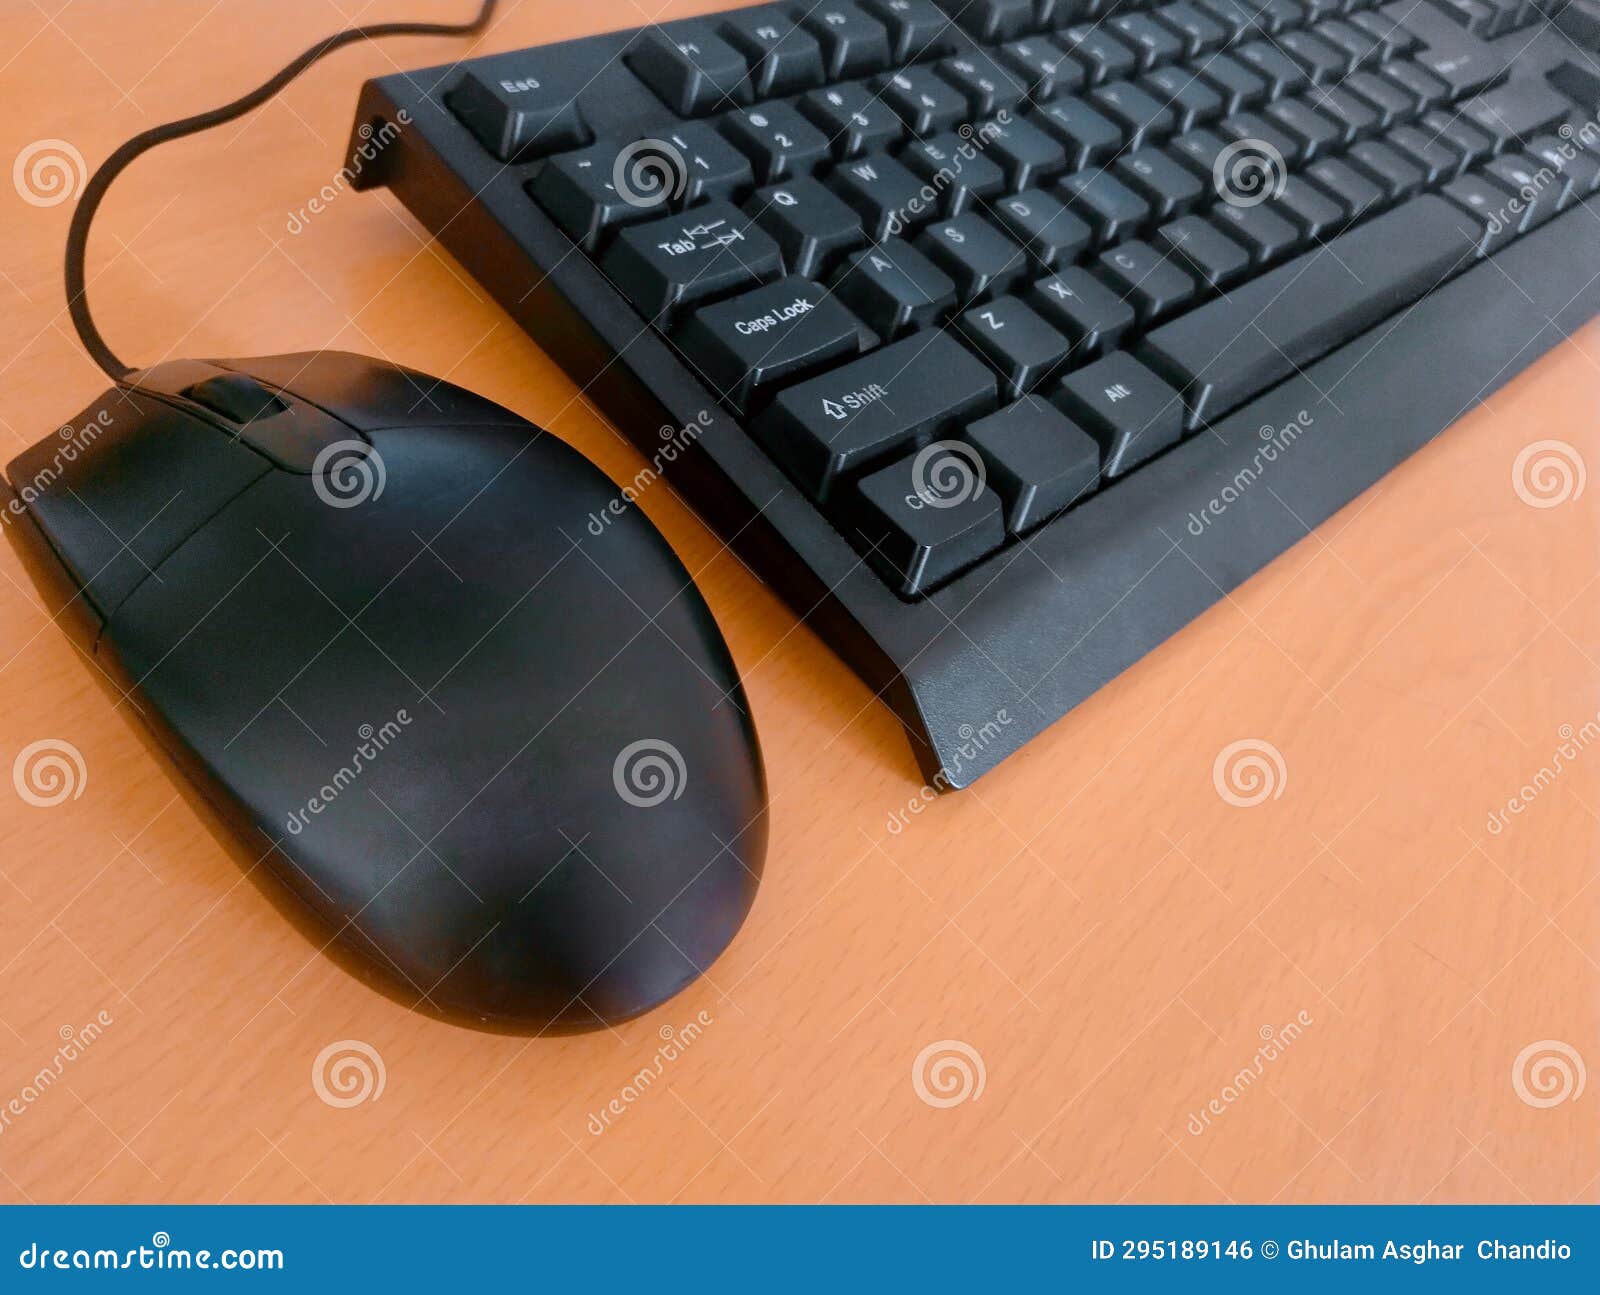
[113, 166]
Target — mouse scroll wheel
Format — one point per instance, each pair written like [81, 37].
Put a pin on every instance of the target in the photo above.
[237, 398]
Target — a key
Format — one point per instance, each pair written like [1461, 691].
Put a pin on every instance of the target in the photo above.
[925, 517]
[867, 410]
[1233, 348]
[1428, 90]
[852, 118]
[778, 141]
[893, 287]
[811, 224]
[1146, 279]
[1357, 47]
[1436, 161]
[691, 68]
[1131, 412]
[1039, 461]
[663, 265]
[979, 258]
[1093, 317]
[1088, 137]
[1109, 206]
[1143, 118]
[1580, 166]
[1047, 231]
[1517, 111]
[784, 59]
[1192, 101]
[1021, 346]
[917, 28]
[1199, 249]
[1103, 56]
[773, 333]
[1397, 177]
[519, 107]
[924, 101]
[1393, 38]
[1355, 118]
[883, 192]
[1028, 154]
[950, 165]
[853, 43]
[1170, 189]
[1254, 129]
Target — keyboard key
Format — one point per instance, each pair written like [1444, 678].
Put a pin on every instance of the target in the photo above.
[579, 191]
[893, 288]
[1038, 460]
[778, 141]
[1267, 236]
[1428, 90]
[866, 411]
[1103, 56]
[811, 224]
[924, 101]
[1022, 348]
[917, 28]
[1354, 116]
[663, 265]
[1283, 75]
[776, 332]
[1093, 317]
[1089, 138]
[853, 44]
[1131, 412]
[1233, 348]
[527, 110]
[784, 59]
[1313, 133]
[1517, 111]
[1437, 161]
[1146, 279]
[979, 258]
[1199, 249]
[1397, 177]
[1153, 43]
[1517, 174]
[990, 20]
[1199, 32]
[1043, 67]
[1141, 117]
[1304, 204]
[1323, 63]
[1472, 144]
[1345, 185]
[1047, 231]
[1170, 189]
[691, 68]
[989, 88]
[1388, 100]
[925, 517]
[885, 194]
[853, 119]
[1483, 211]
[1112, 209]
[1028, 154]
[955, 168]
[1192, 101]
[1239, 86]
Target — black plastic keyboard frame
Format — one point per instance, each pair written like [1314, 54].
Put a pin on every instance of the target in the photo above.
[985, 662]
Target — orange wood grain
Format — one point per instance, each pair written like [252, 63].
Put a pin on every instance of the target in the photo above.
[1105, 933]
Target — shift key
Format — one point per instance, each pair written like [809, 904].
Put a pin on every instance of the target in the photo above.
[873, 408]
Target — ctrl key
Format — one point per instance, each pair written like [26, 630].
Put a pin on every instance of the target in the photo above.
[926, 516]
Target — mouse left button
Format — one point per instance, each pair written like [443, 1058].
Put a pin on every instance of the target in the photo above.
[122, 485]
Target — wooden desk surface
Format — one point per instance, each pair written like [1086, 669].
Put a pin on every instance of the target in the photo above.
[1104, 938]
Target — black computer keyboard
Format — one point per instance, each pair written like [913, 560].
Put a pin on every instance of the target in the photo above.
[1005, 336]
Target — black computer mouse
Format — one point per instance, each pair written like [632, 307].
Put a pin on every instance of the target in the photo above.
[452, 688]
